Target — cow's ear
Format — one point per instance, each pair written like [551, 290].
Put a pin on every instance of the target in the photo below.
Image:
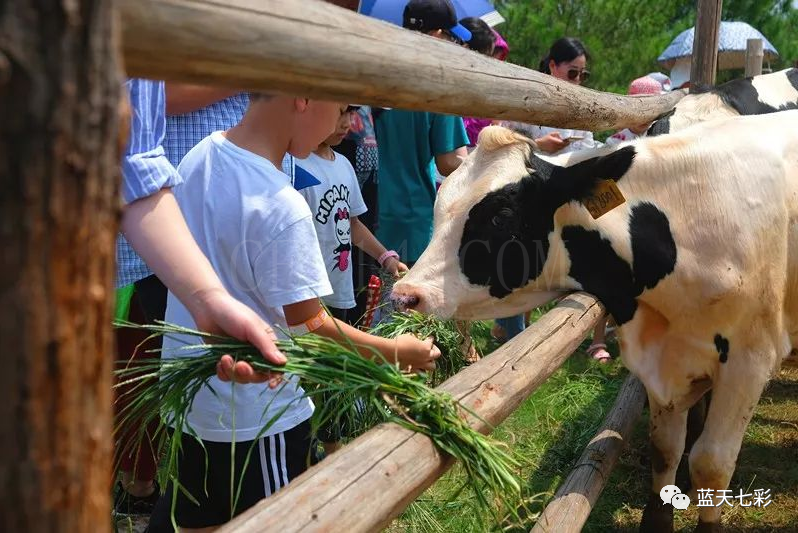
[578, 181]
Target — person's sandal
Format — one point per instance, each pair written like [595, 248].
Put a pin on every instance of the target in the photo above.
[598, 351]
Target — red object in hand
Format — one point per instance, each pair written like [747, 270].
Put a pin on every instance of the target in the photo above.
[372, 301]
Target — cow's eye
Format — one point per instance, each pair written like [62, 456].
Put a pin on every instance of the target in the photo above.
[497, 221]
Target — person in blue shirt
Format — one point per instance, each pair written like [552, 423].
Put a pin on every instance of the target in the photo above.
[415, 146]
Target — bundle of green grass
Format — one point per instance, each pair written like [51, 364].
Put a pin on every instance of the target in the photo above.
[163, 390]
[451, 341]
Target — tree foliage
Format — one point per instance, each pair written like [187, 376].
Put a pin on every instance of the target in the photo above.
[625, 37]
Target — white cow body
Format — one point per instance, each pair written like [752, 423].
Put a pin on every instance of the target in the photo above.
[721, 197]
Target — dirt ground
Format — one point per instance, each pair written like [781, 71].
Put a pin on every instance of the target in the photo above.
[768, 460]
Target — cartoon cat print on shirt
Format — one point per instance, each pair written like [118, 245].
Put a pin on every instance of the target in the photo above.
[335, 202]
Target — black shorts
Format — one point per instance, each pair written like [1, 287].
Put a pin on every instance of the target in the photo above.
[273, 462]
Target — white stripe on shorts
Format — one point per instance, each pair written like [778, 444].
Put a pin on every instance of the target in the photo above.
[267, 488]
[273, 457]
[282, 459]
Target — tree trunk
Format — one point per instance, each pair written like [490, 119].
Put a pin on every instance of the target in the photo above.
[59, 210]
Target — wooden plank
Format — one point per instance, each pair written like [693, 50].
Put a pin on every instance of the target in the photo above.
[320, 50]
[705, 43]
[388, 467]
[754, 54]
[574, 500]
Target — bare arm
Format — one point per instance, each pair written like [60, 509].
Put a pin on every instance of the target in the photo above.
[448, 162]
[406, 349]
[366, 241]
[184, 98]
[155, 228]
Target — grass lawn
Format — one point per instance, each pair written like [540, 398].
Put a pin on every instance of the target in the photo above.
[549, 431]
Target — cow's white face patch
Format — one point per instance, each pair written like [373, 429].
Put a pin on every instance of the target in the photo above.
[491, 253]
[437, 278]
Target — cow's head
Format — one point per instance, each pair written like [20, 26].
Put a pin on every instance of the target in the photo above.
[494, 250]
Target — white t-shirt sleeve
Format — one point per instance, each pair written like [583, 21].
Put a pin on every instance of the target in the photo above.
[290, 268]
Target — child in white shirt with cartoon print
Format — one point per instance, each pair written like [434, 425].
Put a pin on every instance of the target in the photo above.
[336, 203]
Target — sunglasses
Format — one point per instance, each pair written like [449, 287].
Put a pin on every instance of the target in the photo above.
[574, 73]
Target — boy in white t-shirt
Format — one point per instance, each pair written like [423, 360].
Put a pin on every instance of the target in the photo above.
[336, 203]
[258, 234]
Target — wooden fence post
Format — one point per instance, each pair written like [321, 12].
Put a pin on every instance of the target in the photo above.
[59, 177]
[754, 54]
[705, 43]
[568, 510]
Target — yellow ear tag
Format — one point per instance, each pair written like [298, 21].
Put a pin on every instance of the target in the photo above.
[604, 198]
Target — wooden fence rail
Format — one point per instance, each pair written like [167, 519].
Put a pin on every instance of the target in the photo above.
[388, 467]
[320, 50]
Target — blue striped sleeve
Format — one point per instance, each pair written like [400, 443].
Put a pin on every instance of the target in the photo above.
[145, 168]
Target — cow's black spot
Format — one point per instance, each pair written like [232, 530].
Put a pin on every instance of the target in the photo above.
[600, 271]
[742, 96]
[662, 125]
[653, 248]
[722, 346]
[792, 76]
[505, 240]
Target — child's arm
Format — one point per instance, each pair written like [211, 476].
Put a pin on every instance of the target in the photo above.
[410, 352]
[366, 241]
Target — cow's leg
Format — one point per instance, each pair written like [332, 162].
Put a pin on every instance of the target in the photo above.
[667, 430]
[735, 393]
[696, 417]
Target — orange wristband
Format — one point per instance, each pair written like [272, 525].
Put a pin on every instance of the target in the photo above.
[310, 325]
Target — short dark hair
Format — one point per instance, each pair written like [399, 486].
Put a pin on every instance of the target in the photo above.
[483, 40]
[563, 49]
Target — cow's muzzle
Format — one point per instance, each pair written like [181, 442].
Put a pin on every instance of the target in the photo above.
[405, 302]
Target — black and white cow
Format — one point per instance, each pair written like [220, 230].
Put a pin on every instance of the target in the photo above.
[699, 266]
[759, 95]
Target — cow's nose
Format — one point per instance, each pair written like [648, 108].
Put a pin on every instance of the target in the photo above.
[404, 302]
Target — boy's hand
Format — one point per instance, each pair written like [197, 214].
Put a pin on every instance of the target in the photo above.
[415, 354]
[215, 311]
[394, 267]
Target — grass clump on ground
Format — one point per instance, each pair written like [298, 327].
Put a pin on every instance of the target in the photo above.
[547, 434]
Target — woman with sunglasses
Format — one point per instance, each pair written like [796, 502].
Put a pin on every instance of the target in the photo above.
[567, 61]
